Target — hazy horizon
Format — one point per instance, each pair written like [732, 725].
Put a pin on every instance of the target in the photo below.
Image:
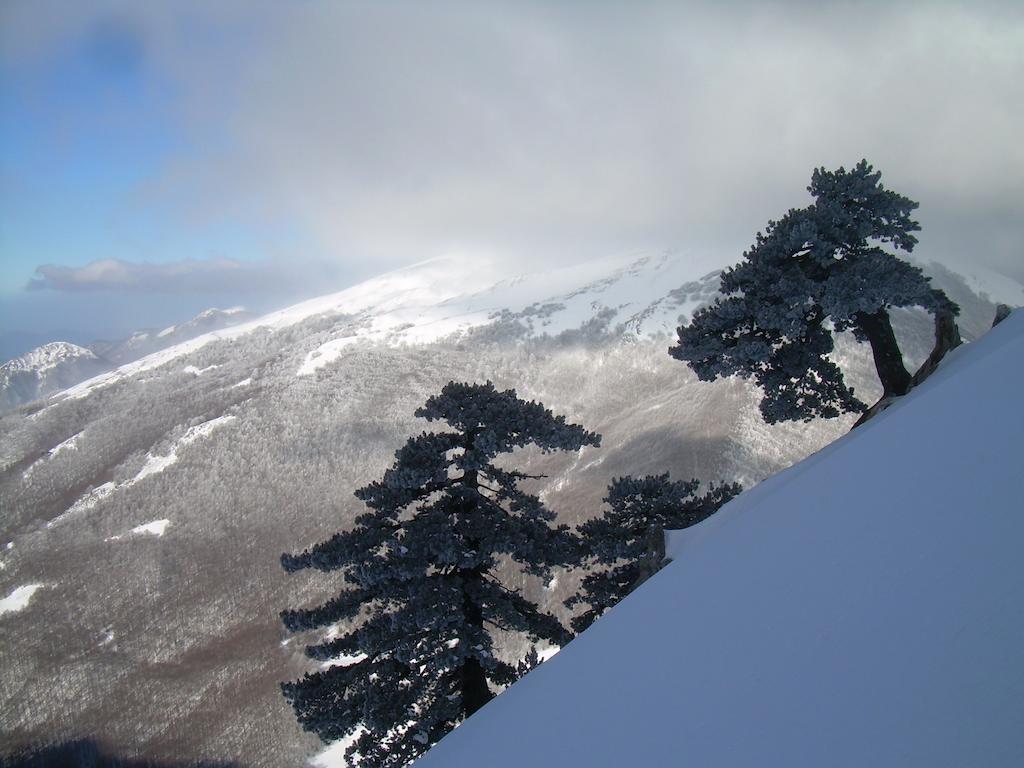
[159, 159]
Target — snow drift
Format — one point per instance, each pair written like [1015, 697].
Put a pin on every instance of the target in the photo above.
[865, 607]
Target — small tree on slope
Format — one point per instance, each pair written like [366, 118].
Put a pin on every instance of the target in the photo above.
[422, 599]
[818, 270]
[638, 509]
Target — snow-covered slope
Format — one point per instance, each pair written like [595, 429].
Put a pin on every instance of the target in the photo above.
[61, 365]
[993, 285]
[865, 607]
[145, 342]
[440, 298]
[45, 370]
[645, 296]
[250, 441]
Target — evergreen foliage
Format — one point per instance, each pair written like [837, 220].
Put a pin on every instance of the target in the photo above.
[638, 509]
[421, 598]
[818, 270]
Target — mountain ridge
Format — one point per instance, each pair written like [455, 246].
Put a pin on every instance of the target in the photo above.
[44, 370]
[238, 457]
[441, 297]
[26, 378]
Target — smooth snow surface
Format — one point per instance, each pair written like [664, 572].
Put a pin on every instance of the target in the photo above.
[18, 599]
[863, 608]
[155, 528]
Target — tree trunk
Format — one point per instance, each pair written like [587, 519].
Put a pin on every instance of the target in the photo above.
[888, 359]
[472, 676]
[1002, 312]
[654, 558]
[947, 337]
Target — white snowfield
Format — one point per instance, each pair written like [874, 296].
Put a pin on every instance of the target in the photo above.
[18, 599]
[636, 292]
[863, 608]
[440, 297]
[155, 528]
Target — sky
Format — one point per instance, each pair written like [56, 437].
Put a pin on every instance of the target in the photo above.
[159, 158]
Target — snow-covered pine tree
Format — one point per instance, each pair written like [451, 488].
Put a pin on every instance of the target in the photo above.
[638, 508]
[422, 599]
[819, 269]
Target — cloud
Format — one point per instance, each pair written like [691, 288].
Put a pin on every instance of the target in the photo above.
[397, 132]
[390, 133]
[212, 276]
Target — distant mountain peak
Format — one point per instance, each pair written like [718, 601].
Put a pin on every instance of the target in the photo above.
[59, 365]
[46, 357]
[44, 370]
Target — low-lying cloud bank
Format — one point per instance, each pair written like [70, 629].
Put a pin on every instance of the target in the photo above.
[185, 276]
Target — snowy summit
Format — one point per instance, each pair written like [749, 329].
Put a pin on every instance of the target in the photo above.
[43, 370]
